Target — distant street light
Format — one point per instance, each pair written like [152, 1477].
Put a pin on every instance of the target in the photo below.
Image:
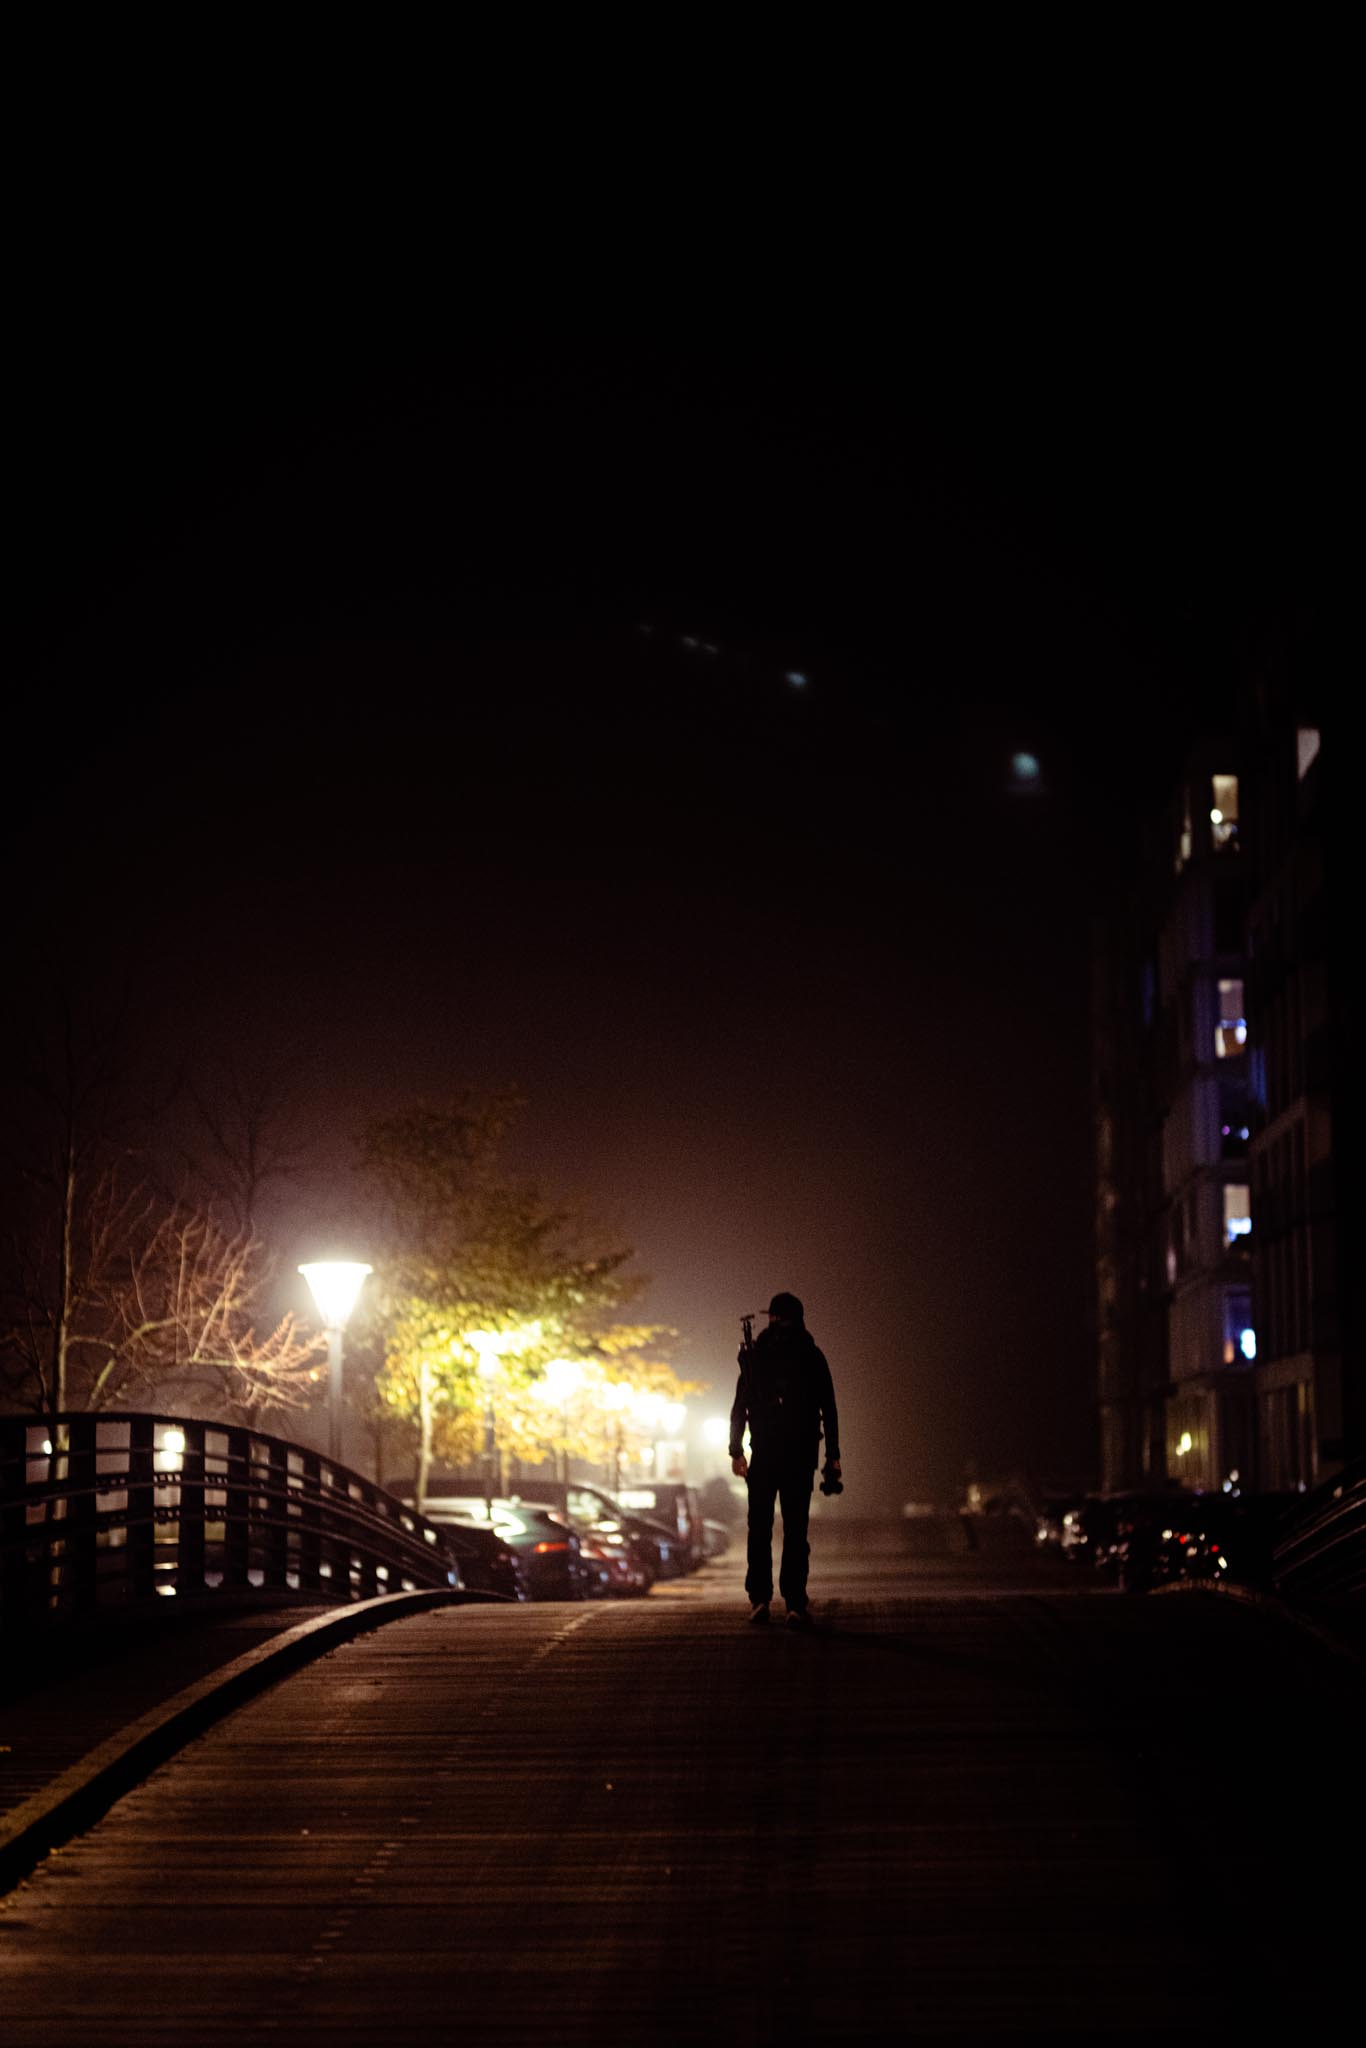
[335, 1285]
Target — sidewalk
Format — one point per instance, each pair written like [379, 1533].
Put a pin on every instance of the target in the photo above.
[67, 1688]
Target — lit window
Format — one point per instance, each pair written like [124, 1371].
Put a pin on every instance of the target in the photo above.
[1306, 749]
[1223, 815]
[1237, 1213]
[1238, 1327]
[1184, 842]
[1230, 1031]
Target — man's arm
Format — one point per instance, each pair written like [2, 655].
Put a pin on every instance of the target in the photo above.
[830, 1418]
[739, 1417]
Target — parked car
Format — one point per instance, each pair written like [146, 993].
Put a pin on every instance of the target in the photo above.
[655, 1543]
[488, 1562]
[1051, 1517]
[1228, 1535]
[545, 1542]
[609, 1553]
[675, 1504]
[1146, 1533]
[1087, 1532]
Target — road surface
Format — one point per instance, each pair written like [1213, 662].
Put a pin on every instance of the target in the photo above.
[980, 1802]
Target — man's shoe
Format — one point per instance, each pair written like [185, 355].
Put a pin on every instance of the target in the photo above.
[798, 1617]
[759, 1611]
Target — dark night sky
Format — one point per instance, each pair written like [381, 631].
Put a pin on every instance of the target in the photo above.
[340, 728]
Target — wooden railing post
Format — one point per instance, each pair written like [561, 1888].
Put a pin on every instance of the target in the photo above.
[191, 1573]
[275, 1533]
[237, 1510]
[82, 1567]
[369, 1577]
[13, 1512]
[310, 1539]
[140, 1533]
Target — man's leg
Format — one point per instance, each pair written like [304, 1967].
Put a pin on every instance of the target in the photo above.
[795, 1492]
[762, 1487]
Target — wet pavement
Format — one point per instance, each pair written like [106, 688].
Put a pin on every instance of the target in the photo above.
[979, 1801]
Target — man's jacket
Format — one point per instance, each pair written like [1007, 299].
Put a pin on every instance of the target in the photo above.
[786, 1396]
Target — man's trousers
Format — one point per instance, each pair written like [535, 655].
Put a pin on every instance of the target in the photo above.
[788, 1482]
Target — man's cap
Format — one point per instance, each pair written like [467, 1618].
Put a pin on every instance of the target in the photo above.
[786, 1305]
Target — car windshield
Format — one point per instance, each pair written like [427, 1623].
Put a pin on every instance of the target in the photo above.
[475, 1513]
[588, 1504]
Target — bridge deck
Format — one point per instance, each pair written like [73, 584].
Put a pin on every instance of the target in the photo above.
[969, 1807]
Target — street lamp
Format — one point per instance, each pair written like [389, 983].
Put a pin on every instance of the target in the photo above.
[335, 1285]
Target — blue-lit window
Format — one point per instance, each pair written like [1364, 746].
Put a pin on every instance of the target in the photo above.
[1230, 1030]
[1240, 1341]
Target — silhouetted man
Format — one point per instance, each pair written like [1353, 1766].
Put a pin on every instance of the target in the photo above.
[787, 1397]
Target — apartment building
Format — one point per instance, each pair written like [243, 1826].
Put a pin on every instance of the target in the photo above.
[1173, 1122]
[1227, 1105]
[1302, 1071]
[1203, 1059]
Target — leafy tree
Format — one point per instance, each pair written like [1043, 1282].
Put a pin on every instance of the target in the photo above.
[480, 1266]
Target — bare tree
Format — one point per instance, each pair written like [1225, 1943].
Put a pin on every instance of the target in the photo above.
[243, 1148]
[114, 1289]
[162, 1306]
[69, 1120]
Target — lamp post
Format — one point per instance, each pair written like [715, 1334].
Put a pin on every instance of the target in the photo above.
[335, 1285]
[490, 1345]
[615, 1398]
[563, 1379]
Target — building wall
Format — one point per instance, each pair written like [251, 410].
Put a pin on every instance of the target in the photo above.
[1300, 1075]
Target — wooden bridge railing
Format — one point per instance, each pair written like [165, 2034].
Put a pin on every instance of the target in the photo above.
[102, 1510]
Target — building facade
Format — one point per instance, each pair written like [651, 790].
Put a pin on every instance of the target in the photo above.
[1302, 1064]
[1226, 1116]
[1204, 1058]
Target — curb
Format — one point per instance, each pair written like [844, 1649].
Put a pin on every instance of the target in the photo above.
[87, 1790]
[1269, 1603]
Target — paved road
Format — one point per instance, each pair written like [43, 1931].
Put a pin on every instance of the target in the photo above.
[979, 1804]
